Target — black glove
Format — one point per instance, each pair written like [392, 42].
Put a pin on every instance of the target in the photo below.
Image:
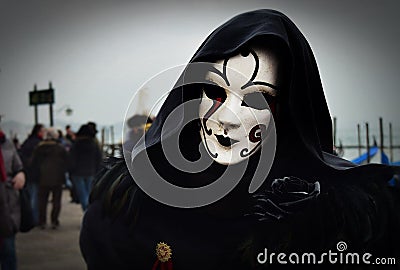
[286, 197]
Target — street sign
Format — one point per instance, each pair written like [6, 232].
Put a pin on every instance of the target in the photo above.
[41, 97]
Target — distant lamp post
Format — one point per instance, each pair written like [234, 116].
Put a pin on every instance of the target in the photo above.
[67, 109]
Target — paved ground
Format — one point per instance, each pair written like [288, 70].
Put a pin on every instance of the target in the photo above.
[53, 249]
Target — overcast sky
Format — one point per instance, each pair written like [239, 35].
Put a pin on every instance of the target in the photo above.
[98, 53]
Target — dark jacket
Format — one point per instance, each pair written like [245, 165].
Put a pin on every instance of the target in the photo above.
[84, 157]
[26, 152]
[10, 213]
[50, 161]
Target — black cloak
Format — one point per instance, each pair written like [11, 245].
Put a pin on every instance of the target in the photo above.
[343, 201]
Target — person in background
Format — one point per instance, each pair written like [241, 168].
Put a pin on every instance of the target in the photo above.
[63, 140]
[16, 142]
[67, 143]
[11, 172]
[85, 158]
[137, 125]
[50, 161]
[70, 135]
[93, 129]
[26, 151]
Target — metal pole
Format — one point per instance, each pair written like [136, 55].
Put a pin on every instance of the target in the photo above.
[381, 133]
[51, 115]
[51, 107]
[359, 139]
[35, 106]
[367, 129]
[112, 140]
[102, 139]
[391, 142]
[334, 131]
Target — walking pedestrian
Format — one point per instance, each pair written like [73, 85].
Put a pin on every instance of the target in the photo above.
[27, 148]
[85, 157]
[50, 161]
[12, 179]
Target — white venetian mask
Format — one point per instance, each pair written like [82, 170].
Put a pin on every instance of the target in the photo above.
[234, 111]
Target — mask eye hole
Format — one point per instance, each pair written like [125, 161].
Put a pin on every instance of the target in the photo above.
[258, 100]
[215, 92]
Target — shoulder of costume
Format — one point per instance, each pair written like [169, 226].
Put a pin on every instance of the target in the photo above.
[359, 213]
[114, 188]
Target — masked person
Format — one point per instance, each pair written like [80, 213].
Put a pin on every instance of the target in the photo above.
[261, 78]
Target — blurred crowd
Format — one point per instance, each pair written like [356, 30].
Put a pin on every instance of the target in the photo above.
[45, 163]
[52, 160]
[48, 161]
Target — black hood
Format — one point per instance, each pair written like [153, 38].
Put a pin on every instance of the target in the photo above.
[303, 121]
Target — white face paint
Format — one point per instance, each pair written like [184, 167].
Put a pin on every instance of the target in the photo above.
[233, 111]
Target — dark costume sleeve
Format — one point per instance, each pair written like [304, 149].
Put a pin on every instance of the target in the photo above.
[108, 215]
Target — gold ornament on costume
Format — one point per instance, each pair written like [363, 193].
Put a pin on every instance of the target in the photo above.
[147, 126]
[163, 252]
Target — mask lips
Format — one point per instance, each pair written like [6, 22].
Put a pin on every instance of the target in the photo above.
[226, 141]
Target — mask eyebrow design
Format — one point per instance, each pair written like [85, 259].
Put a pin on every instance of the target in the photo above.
[224, 69]
[255, 72]
[221, 74]
[244, 53]
[261, 83]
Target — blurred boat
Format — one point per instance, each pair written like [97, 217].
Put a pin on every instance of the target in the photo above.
[385, 160]
[364, 157]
